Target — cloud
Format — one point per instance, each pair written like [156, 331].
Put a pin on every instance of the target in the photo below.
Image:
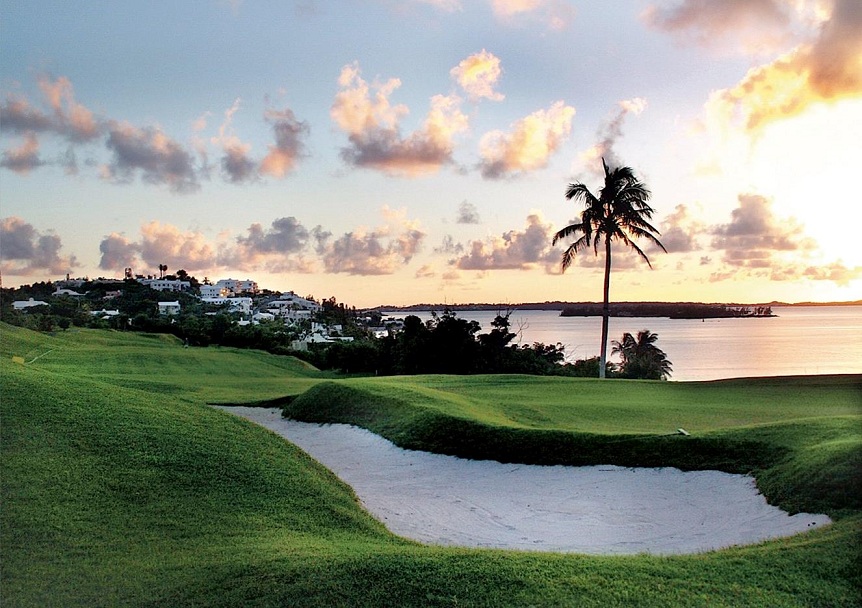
[166, 244]
[826, 69]
[757, 243]
[756, 26]
[755, 233]
[160, 159]
[478, 75]
[467, 213]
[376, 252]
[118, 252]
[425, 272]
[18, 116]
[25, 157]
[71, 119]
[282, 247]
[558, 14]
[609, 133]
[679, 231]
[836, 272]
[26, 251]
[529, 144]
[513, 250]
[236, 165]
[372, 125]
[288, 148]
[286, 235]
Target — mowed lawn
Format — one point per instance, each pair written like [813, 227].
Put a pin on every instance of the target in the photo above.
[121, 487]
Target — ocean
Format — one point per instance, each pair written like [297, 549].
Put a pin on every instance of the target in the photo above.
[799, 340]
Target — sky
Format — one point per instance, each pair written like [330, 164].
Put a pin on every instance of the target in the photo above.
[388, 152]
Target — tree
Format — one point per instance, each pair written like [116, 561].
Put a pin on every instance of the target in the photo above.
[619, 213]
[641, 358]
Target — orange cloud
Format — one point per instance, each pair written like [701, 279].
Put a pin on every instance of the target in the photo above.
[288, 148]
[827, 69]
[166, 244]
[25, 157]
[372, 124]
[75, 120]
[528, 145]
[478, 75]
[557, 13]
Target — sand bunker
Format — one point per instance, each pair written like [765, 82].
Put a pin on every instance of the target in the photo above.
[444, 500]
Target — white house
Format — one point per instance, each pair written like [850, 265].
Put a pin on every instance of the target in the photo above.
[67, 292]
[214, 291]
[105, 314]
[241, 305]
[237, 286]
[290, 299]
[169, 308]
[166, 284]
[22, 304]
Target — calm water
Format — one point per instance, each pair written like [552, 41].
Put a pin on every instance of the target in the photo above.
[800, 340]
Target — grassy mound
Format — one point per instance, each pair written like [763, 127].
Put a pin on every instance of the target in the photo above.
[115, 494]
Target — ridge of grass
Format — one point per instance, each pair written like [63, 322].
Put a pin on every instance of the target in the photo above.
[116, 495]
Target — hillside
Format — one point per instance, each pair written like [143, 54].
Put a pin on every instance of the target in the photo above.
[120, 487]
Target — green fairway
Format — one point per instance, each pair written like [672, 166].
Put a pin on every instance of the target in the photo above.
[121, 487]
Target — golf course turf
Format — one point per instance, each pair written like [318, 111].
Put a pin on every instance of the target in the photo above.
[120, 486]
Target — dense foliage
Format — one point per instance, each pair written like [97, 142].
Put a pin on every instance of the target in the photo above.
[641, 358]
[448, 344]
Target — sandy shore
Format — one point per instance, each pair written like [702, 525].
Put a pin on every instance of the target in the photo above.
[445, 500]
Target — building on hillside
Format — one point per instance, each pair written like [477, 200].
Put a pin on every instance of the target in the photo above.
[166, 284]
[169, 308]
[236, 286]
[291, 299]
[262, 316]
[25, 304]
[67, 292]
[104, 314]
[214, 291]
[240, 305]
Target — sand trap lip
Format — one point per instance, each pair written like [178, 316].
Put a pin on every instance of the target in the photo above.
[445, 500]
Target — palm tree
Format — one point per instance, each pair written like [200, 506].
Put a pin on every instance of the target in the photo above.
[641, 358]
[619, 213]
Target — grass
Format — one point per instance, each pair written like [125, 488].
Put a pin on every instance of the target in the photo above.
[116, 493]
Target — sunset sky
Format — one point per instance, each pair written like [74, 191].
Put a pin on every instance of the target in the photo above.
[405, 151]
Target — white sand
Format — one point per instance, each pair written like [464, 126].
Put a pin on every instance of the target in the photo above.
[444, 500]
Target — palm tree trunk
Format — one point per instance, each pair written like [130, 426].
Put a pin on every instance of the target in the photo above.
[606, 309]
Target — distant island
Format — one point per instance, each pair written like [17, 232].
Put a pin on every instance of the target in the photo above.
[673, 310]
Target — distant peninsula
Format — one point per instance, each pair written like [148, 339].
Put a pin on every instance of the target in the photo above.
[673, 310]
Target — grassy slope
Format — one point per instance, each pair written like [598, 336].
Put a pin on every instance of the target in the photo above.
[117, 495]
